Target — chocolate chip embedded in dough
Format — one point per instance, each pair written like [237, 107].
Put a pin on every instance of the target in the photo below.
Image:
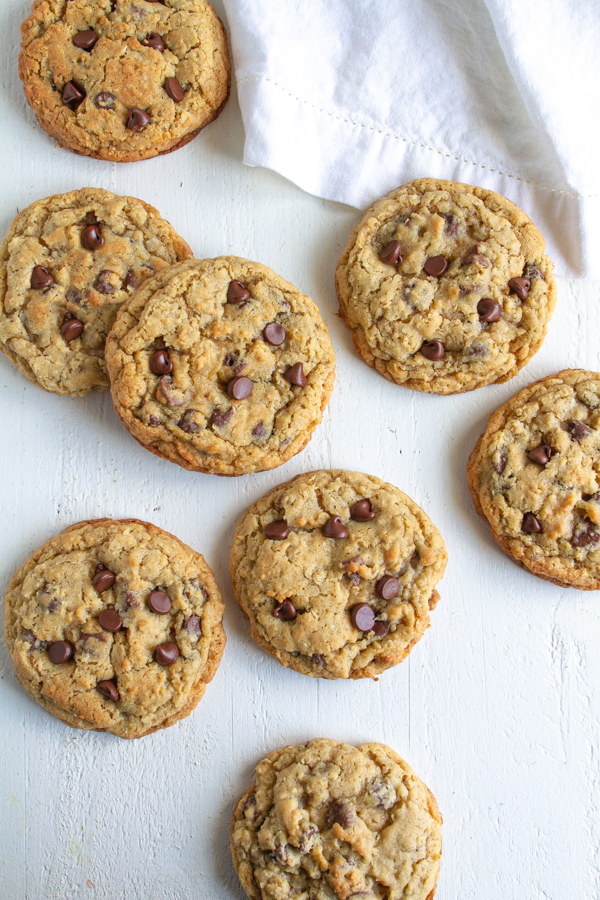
[72, 95]
[586, 535]
[137, 119]
[154, 40]
[541, 454]
[520, 287]
[187, 424]
[380, 629]
[475, 256]
[433, 350]
[60, 652]
[277, 531]
[388, 587]
[104, 100]
[340, 813]
[161, 363]
[274, 334]
[85, 40]
[363, 617]
[102, 284]
[335, 528]
[435, 265]
[92, 237]
[391, 254]
[237, 292]
[193, 625]
[489, 310]
[452, 223]
[240, 387]
[295, 375]
[259, 431]
[159, 603]
[71, 328]
[530, 524]
[41, 279]
[108, 690]
[131, 279]
[166, 653]
[103, 579]
[174, 90]
[285, 611]
[578, 430]
[110, 620]
[220, 419]
[362, 511]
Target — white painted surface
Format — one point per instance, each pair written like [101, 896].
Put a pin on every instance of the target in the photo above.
[496, 708]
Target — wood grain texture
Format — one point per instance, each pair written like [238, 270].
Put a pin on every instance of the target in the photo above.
[496, 708]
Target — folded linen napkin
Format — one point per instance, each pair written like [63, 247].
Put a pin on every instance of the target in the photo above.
[351, 98]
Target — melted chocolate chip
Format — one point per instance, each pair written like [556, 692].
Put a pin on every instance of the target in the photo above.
[474, 256]
[154, 40]
[388, 587]
[240, 387]
[60, 652]
[435, 266]
[362, 511]
[532, 271]
[530, 524]
[104, 100]
[541, 455]
[174, 90]
[187, 424]
[71, 328]
[295, 375]
[72, 95]
[578, 430]
[220, 419]
[237, 292]
[501, 462]
[520, 287]
[285, 611]
[277, 531]
[193, 625]
[131, 279]
[274, 334]
[110, 620]
[41, 279]
[391, 254]
[433, 350]
[92, 237]
[103, 579]
[161, 363]
[451, 224]
[108, 690]
[159, 603]
[335, 528]
[489, 310]
[363, 617]
[259, 431]
[585, 535]
[380, 629]
[340, 813]
[137, 119]
[102, 284]
[85, 40]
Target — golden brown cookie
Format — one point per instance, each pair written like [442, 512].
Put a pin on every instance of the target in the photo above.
[66, 265]
[329, 821]
[115, 626]
[337, 571]
[535, 476]
[220, 366]
[446, 287]
[124, 80]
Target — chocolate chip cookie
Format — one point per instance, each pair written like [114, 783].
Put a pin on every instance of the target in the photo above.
[115, 626]
[124, 80]
[446, 287]
[66, 265]
[326, 820]
[337, 571]
[220, 366]
[535, 476]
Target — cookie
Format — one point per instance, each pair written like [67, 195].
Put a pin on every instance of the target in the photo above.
[329, 821]
[115, 626]
[220, 366]
[336, 572]
[446, 287]
[66, 265]
[124, 80]
[535, 477]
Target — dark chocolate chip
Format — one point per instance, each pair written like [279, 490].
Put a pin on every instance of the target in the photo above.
[72, 95]
[41, 279]
[335, 528]
[435, 265]
[520, 287]
[585, 536]
[433, 350]
[85, 40]
[71, 328]
[391, 254]
[530, 524]
[131, 600]
[362, 511]
[155, 41]
[578, 430]
[489, 310]
[159, 603]
[295, 375]
[131, 279]
[259, 431]
[193, 625]
[541, 455]
[381, 628]
[174, 90]
[388, 587]
[160, 363]
[501, 463]
[166, 654]
[137, 119]
[60, 652]
[103, 580]
[110, 620]
[102, 284]
[274, 334]
[187, 424]
[237, 292]
[220, 419]
[104, 100]
[240, 387]
[285, 611]
[451, 224]
[363, 617]
[340, 813]
[108, 690]
[92, 237]
[474, 256]
[277, 531]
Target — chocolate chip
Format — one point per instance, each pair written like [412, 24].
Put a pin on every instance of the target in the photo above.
[474, 256]
[102, 284]
[489, 310]
[363, 617]
[85, 40]
[108, 690]
[166, 654]
[334, 528]
[92, 237]
[131, 279]
[501, 463]
[433, 350]
[160, 363]
[578, 430]
[285, 611]
[159, 603]
[388, 587]
[362, 511]
[187, 424]
[435, 265]
[259, 431]
[274, 334]
[230, 359]
[154, 40]
[391, 254]
[193, 625]
[520, 287]
[54, 605]
[137, 119]
[530, 524]
[237, 292]
[541, 455]
[381, 628]
[295, 375]
[103, 580]
[110, 620]
[104, 100]
[131, 600]
[71, 328]
[340, 813]
[220, 419]
[41, 279]
[532, 271]
[585, 536]
[60, 652]
[72, 95]
[451, 224]
[240, 387]
[277, 531]
[174, 90]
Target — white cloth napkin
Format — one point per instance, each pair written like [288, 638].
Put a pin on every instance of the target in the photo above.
[351, 98]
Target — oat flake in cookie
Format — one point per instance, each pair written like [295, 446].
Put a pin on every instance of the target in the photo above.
[328, 821]
[446, 287]
[66, 265]
[535, 476]
[115, 626]
[220, 366]
[124, 80]
[337, 571]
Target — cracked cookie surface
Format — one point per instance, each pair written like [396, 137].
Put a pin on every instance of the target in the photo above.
[74, 258]
[535, 476]
[128, 654]
[446, 287]
[220, 366]
[124, 80]
[329, 821]
[349, 605]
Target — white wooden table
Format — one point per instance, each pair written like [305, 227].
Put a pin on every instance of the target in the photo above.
[496, 708]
